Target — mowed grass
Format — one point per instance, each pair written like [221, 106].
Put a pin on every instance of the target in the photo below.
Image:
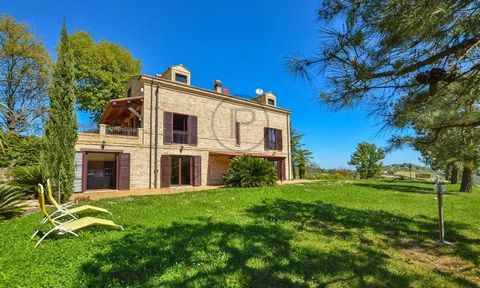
[322, 234]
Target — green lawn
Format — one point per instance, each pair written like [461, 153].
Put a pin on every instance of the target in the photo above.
[336, 234]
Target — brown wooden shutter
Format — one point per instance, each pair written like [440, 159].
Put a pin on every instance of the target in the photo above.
[192, 130]
[265, 138]
[167, 127]
[80, 182]
[123, 171]
[197, 170]
[282, 169]
[84, 172]
[278, 135]
[165, 171]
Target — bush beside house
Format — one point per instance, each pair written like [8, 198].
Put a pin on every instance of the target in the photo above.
[249, 171]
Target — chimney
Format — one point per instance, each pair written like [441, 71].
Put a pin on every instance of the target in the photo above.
[226, 91]
[218, 86]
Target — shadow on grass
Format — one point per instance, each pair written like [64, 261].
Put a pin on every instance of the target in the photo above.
[395, 187]
[266, 253]
[347, 223]
[207, 254]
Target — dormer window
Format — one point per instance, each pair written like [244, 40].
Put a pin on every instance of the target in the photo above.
[271, 102]
[181, 78]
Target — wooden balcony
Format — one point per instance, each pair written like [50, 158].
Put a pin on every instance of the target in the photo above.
[110, 135]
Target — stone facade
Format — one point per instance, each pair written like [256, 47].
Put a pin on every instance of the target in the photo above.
[217, 115]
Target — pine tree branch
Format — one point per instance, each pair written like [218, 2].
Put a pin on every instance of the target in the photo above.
[467, 44]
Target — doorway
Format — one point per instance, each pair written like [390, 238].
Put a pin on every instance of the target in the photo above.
[101, 170]
[279, 166]
[180, 170]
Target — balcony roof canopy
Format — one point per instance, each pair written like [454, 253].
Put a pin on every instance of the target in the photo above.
[119, 110]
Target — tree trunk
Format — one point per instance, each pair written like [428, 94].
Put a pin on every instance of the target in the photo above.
[454, 175]
[467, 180]
[294, 173]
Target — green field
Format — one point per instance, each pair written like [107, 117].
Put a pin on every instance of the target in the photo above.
[334, 234]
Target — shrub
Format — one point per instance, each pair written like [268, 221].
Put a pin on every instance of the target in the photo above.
[11, 201]
[26, 178]
[20, 150]
[249, 171]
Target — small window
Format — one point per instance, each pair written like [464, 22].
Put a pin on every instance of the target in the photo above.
[181, 78]
[237, 133]
[271, 102]
[180, 130]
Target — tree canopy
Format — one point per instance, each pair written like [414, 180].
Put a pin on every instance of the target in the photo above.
[367, 159]
[24, 75]
[379, 53]
[449, 146]
[102, 71]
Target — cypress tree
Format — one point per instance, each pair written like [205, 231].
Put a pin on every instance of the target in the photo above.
[57, 159]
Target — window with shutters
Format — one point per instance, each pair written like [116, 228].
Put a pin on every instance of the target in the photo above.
[273, 139]
[180, 129]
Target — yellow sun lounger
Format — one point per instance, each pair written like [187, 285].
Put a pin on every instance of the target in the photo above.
[65, 210]
[70, 226]
[69, 211]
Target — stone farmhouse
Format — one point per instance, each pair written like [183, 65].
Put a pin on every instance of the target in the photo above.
[168, 133]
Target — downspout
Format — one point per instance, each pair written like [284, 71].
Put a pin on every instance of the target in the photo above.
[151, 123]
[156, 138]
[288, 145]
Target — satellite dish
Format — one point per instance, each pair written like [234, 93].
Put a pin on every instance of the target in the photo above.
[259, 91]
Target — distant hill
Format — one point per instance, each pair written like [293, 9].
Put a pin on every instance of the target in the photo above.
[405, 166]
[404, 171]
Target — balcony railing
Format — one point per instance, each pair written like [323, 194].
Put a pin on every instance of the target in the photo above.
[88, 128]
[122, 131]
[180, 136]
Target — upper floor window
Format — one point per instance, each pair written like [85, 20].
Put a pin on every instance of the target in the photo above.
[181, 78]
[271, 102]
[237, 133]
[180, 128]
[273, 139]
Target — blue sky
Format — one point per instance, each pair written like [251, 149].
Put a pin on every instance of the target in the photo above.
[243, 43]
